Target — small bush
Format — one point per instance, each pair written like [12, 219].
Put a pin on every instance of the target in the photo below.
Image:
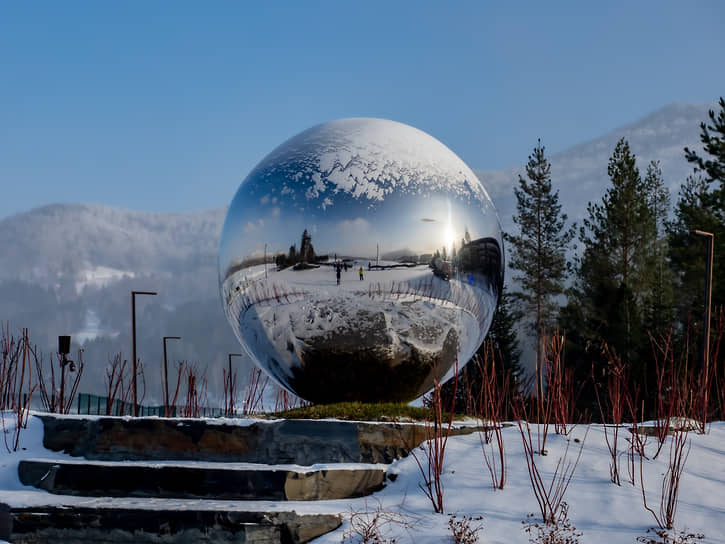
[663, 536]
[560, 531]
[463, 530]
[373, 525]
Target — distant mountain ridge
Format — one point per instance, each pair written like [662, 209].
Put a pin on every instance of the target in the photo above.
[580, 172]
[65, 238]
[70, 268]
[58, 239]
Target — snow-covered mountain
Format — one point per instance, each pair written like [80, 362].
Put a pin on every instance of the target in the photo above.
[580, 172]
[69, 269]
[87, 241]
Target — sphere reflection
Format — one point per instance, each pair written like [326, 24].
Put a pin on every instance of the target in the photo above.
[359, 261]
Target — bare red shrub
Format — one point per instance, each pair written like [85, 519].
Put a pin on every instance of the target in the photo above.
[550, 498]
[491, 407]
[679, 451]
[668, 398]
[557, 403]
[613, 408]
[637, 439]
[196, 384]
[437, 431]
[118, 387]
[170, 403]
[562, 393]
[16, 382]
[285, 401]
[703, 381]
[254, 392]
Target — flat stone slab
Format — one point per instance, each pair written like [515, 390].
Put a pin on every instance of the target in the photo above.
[66, 525]
[205, 481]
[300, 442]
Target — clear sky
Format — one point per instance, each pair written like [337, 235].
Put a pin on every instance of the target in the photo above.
[166, 106]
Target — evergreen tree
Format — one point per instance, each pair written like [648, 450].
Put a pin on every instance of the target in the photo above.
[712, 135]
[307, 252]
[694, 210]
[612, 281]
[502, 337]
[538, 251]
[713, 138]
[659, 301]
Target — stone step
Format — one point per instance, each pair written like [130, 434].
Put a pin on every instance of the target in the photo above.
[300, 442]
[74, 524]
[204, 480]
[162, 497]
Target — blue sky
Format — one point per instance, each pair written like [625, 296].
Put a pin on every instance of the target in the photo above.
[167, 106]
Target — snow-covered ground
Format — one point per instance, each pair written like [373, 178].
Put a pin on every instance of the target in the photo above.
[600, 510]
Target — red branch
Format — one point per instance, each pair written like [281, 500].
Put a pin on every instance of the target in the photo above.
[491, 413]
[437, 432]
[549, 497]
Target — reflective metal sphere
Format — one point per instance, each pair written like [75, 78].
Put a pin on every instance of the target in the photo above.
[359, 261]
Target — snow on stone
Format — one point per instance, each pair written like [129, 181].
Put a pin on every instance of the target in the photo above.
[600, 510]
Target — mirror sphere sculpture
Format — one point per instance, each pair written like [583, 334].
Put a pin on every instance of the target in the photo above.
[360, 260]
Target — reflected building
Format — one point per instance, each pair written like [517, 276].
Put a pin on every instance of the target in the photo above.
[360, 260]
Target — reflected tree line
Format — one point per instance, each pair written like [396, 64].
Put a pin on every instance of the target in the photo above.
[305, 255]
[481, 257]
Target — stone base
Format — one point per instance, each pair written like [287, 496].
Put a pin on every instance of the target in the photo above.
[299, 442]
[108, 444]
[111, 479]
[69, 525]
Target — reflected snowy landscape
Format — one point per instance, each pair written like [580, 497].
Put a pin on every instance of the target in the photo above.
[402, 325]
[397, 273]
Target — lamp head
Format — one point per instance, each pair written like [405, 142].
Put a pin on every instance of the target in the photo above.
[64, 345]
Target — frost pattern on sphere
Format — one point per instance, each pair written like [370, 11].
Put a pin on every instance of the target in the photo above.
[359, 261]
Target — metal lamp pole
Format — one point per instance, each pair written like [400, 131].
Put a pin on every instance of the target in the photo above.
[63, 350]
[708, 299]
[166, 376]
[133, 336]
[230, 360]
[231, 383]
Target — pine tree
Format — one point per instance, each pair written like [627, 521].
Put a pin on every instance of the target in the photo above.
[713, 138]
[612, 279]
[307, 252]
[502, 336]
[712, 135]
[694, 210]
[538, 251]
[659, 313]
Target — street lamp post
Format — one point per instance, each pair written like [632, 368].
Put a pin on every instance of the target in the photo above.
[708, 299]
[63, 350]
[230, 387]
[167, 411]
[133, 342]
